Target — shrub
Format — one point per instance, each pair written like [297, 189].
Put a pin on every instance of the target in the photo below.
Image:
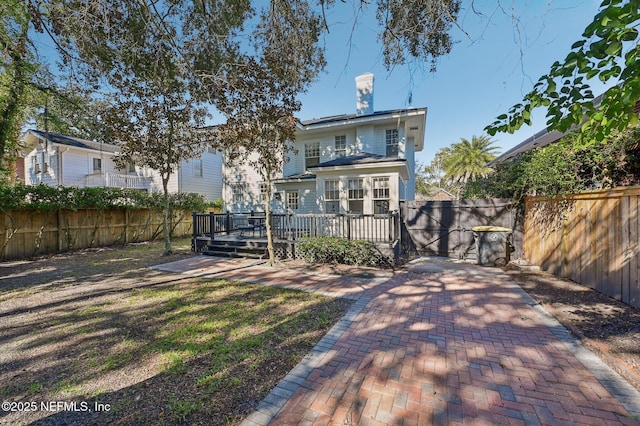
[340, 250]
[44, 197]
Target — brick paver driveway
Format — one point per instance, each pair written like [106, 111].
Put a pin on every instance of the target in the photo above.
[440, 342]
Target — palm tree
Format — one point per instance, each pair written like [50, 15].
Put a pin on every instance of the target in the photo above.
[467, 160]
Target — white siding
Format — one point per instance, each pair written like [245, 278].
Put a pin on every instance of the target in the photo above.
[250, 179]
[365, 139]
[209, 183]
[307, 200]
[35, 157]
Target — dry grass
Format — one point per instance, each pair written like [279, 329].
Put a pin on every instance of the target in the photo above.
[98, 327]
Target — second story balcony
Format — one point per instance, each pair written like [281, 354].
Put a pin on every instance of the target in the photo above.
[117, 180]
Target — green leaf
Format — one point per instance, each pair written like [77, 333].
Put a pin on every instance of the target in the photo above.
[578, 44]
[614, 48]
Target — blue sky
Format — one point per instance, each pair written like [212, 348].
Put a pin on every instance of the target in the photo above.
[489, 69]
[494, 63]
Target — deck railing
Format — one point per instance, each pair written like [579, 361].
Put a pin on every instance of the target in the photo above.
[383, 228]
[116, 180]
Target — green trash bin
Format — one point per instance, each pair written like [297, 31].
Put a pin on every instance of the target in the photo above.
[493, 245]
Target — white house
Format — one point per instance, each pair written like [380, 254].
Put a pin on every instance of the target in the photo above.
[350, 163]
[59, 160]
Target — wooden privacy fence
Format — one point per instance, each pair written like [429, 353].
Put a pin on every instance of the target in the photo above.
[590, 238]
[443, 228]
[28, 233]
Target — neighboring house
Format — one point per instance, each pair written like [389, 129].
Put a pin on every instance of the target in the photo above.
[351, 163]
[59, 160]
[543, 138]
[438, 194]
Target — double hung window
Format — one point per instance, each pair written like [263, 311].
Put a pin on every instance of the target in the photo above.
[380, 195]
[332, 196]
[311, 154]
[356, 195]
[341, 146]
[391, 142]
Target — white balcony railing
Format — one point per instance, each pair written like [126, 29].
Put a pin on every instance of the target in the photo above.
[116, 180]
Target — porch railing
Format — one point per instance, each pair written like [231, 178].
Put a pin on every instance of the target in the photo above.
[375, 228]
[116, 180]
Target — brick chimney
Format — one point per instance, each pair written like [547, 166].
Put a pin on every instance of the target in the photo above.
[364, 94]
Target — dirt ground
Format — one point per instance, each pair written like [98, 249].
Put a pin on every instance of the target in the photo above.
[107, 340]
[92, 282]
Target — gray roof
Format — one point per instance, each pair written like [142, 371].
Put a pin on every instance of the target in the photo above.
[361, 158]
[540, 139]
[296, 177]
[347, 117]
[75, 142]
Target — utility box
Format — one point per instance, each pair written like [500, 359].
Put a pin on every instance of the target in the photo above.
[493, 245]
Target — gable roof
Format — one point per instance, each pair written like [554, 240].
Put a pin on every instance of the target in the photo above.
[72, 141]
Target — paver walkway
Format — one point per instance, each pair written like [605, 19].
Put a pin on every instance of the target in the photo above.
[439, 342]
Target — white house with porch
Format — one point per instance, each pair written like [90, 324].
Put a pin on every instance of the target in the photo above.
[361, 163]
[59, 160]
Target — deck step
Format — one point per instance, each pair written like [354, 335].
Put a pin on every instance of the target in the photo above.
[238, 249]
[235, 254]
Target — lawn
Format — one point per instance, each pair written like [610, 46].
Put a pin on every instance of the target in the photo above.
[97, 337]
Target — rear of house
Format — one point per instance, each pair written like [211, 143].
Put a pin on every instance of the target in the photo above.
[362, 163]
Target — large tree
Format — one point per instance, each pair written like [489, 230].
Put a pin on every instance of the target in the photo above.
[159, 132]
[467, 160]
[161, 62]
[432, 177]
[259, 127]
[608, 51]
[261, 90]
[16, 71]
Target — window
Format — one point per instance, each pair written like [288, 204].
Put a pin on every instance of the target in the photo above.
[341, 146]
[263, 193]
[292, 200]
[132, 167]
[391, 141]
[197, 167]
[332, 196]
[381, 195]
[356, 195]
[238, 192]
[97, 165]
[311, 154]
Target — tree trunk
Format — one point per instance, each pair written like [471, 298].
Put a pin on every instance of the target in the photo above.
[267, 210]
[166, 215]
